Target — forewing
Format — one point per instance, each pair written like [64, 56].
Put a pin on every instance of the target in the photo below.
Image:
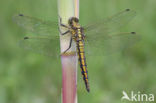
[111, 24]
[43, 45]
[36, 26]
[104, 46]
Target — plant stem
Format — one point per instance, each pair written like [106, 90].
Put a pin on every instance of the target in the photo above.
[67, 9]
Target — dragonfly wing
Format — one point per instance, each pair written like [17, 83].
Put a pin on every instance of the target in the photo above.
[110, 24]
[36, 26]
[41, 44]
[105, 46]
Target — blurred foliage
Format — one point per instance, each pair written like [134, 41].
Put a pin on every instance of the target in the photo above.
[27, 77]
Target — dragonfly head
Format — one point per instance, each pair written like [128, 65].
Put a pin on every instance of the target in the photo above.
[73, 21]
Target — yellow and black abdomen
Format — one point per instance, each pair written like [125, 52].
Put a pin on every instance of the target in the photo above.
[82, 60]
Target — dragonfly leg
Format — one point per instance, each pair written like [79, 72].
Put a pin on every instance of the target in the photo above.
[64, 32]
[61, 24]
[69, 45]
[65, 26]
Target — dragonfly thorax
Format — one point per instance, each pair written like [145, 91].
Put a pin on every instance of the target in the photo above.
[75, 29]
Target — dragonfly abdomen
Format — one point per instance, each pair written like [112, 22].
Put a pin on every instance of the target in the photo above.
[82, 62]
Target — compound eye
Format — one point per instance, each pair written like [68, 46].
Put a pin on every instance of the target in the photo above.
[76, 20]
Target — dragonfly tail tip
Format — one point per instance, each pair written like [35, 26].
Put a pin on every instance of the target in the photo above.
[88, 90]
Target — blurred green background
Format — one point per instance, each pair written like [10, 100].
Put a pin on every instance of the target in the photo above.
[27, 77]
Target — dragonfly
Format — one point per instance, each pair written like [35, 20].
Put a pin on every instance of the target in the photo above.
[95, 39]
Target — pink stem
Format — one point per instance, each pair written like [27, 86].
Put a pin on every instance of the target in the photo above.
[69, 64]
